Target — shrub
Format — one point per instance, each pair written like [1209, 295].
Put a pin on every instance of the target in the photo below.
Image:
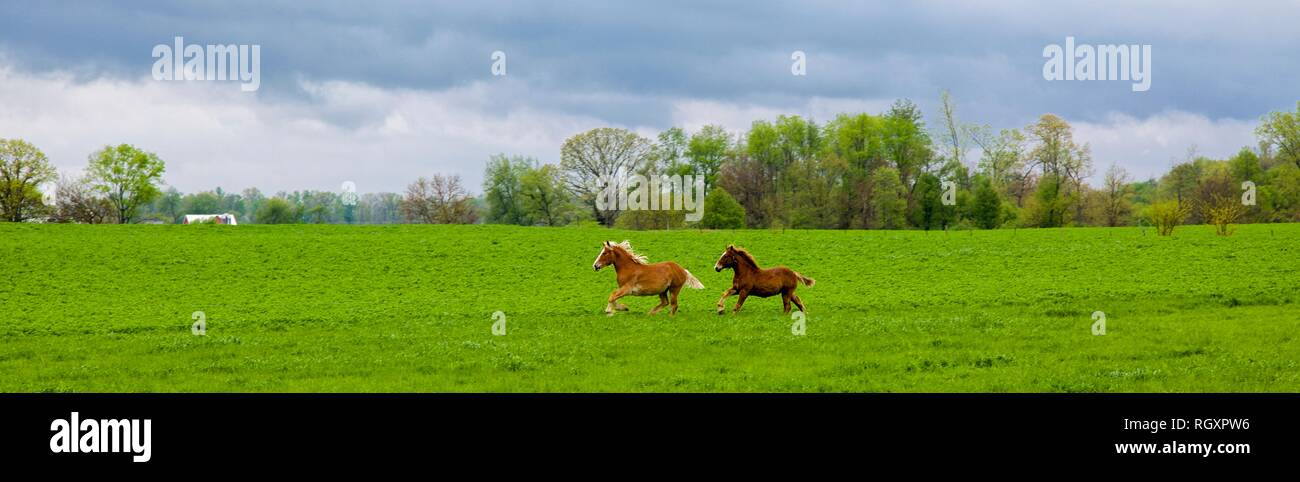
[1166, 215]
[276, 211]
[1223, 212]
[721, 211]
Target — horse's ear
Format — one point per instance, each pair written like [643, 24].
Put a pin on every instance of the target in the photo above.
[731, 247]
[607, 244]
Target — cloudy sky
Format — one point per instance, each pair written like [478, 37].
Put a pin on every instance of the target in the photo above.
[379, 93]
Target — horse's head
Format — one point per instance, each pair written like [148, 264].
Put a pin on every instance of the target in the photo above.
[605, 258]
[728, 259]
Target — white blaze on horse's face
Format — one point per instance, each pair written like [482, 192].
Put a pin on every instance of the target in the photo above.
[595, 265]
[718, 266]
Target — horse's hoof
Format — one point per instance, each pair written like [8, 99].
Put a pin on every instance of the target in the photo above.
[722, 311]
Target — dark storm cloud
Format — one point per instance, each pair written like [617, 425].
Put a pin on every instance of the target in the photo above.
[1222, 61]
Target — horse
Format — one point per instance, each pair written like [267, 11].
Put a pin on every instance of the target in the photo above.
[749, 279]
[637, 277]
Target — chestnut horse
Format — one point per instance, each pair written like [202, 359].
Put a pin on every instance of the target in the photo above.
[749, 279]
[638, 278]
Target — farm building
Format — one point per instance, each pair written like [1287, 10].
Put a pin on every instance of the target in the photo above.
[210, 218]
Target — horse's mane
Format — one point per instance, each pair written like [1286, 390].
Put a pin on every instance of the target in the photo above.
[747, 257]
[627, 248]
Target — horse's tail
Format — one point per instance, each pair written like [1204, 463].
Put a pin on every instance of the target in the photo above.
[805, 280]
[692, 282]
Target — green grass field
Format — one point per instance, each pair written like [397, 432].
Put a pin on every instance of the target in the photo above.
[409, 308]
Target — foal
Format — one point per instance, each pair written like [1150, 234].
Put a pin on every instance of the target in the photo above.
[749, 279]
[637, 278]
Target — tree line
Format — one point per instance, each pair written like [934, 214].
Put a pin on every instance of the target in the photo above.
[856, 171]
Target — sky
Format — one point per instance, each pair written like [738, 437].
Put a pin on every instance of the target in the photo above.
[379, 93]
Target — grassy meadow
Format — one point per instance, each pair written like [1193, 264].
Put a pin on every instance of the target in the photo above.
[106, 308]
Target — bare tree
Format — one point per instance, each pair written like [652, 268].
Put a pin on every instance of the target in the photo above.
[1117, 206]
[440, 200]
[76, 201]
[594, 159]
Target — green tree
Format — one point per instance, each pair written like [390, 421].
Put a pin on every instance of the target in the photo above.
[276, 211]
[502, 185]
[1245, 166]
[1052, 205]
[127, 176]
[670, 152]
[721, 211]
[169, 204]
[253, 200]
[544, 196]
[987, 208]
[707, 150]
[1064, 164]
[1282, 131]
[888, 205]
[930, 211]
[205, 202]
[23, 168]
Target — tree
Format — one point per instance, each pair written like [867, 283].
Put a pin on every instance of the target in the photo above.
[907, 144]
[253, 200]
[721, 211]
[77, 202]
[930, 212]
[1117, 204]
[440, 200]
[1051, 204]
[23, 168]
[593, 160]
[1282, 131]
[1181, 181]
[888, 207]
[670, 152]
[953, 130]
[1003, 156]
[127, 176]
[1064, 165]
[205, 202]
[544, 196]
[169, 204]
[987, 208]
[707, 150]
[276, 211]
[502, 183]
[1245, 166]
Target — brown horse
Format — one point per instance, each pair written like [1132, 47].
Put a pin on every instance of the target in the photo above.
[749, 279]
[638, 278]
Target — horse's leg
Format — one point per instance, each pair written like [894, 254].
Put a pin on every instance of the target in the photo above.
[798, 302]
[721, 302]
[663, 301]
[620, 307]
[785, 301]
[740, 300]
[613, 297]
[674, 289]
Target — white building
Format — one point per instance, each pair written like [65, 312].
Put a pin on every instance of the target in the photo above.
[211, 218]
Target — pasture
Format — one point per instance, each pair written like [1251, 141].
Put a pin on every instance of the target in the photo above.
[107, 308]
